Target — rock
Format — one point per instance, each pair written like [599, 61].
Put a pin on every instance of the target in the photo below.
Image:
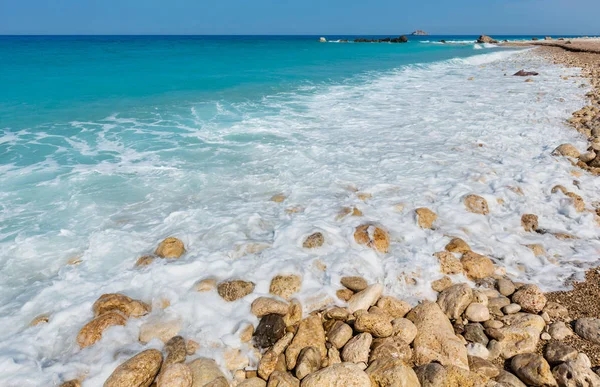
[523, 73]
[206, 285]
[322, 40]
[419, 33]
[92, 331]
[432, 375]
[588, 328]
[158, 329]
[520, 334]
[253, 382]
[314, 240]
[476, 204]
[537, 249]
[175, 375]
[71, 383]
[204, 371]
[41, 319]
[587, 156]
[567, 150]
[263, 306]
[344, 294]
[390, 372]
[373, 237]
[393, 307]
[574, 374]
[144, 261]
[496, 304]
[278, 198]
[285, 286]
[269, 361]
[477, 313]
[170, 248]
[176, 352]
[555, 310]
[559, 330]
[140, 370]
[333, 357]
[365, 298]
[532, 369]
[578, 202]
[234, 290]
[310, 333]
[390, 347]
[309, 361]
[425, 217]
[557, 352]
[404, 329]
[435, 340]
[377, 324]
[339, 334]
[282, 379]
[356, 284]
[483, 367]
[477, 266]
[529, 222]
[474, 333]
[403, 39]
[271, 328]
[511, 308]
[477, 350]
[121, 303]
[338, 375]
[486, 39]
[441, 284]
[457, 245]
[454, 300]
[449, 264]
[294, 315]
[337, 313]
[357, 349]
[531, 298]
[506, 379]
[505, 286]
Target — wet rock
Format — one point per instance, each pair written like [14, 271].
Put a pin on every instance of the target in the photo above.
[575, 374]
[559, 330]
[234, 290]
[567, 150]
[339, 334]
[377, 324]
[92, 331]
[457, 245]
[204, 371]
[140, 370]
[121, 303]
[144, 261]
[531, 298]
[520, 334]
[170, 248]
[278, 198]
[175, 375]
[578, 202]
[342, 374]
[356, 284]
[390, 347]
[425, 217]
[159, 329]
[435, 340]
[532, 369]
[588, 328]
[357, 349]
[441, 284]
[263, 306]
[537, 249]
[309, 361]
[373, 237]
[310, 334]
[270, 360]
[557, 352]
[285, 286]
[344, 294]
[476, 204]
[477, 313]
[314, 240]
[477, 266]
[390, 372]
[282, 379]
[393, 307]
[176, 351]
[449, 264]
[523, 73]
[365, 298]
[206, 285]
[454, 300]
[41, 319]
[404, 329]
[475, 333]
[529, 222]
[505, 286]
[270, 329]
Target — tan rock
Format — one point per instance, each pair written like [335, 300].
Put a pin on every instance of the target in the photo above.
[314, 240]
[519, 334]
[170, 248]
[457, 245]
[176, 350]
[578, 202]
[476, 204]
[344, 294]
[263, 306]
[268, 362]
[92, 331]
[529, 222]
[391, 372]
[278, 198]
[234, 290]
[115, 302]
[560, 188]
[338, 375]
[477, 266]
[537, 249]
[309, 361]
[339, 334]
[567, 150]
[393, 307]
[425, 217]
[477, 313]
[575, 374]
[532, 369]
[144, 261]
[358, 348]
[337, 313]
[285, 286]
[159, 329]
[41, 319]
[435, 340]
[140, 370]
[253, 382]
[449, 264]
[404, 329]
[310, 334]
[531, 298]
[454, 300]
[377, 324]
[441, 284]
[392, 347]
[204, 371]
[71, 383]
[294, 315]
[191, 347]
[365, 298]
[206, 285]
[175, 375]
[282, 379]
[356, 284]
[372, 236]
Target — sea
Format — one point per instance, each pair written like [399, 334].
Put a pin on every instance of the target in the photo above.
[109, 144]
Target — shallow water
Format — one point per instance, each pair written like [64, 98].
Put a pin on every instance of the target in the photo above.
[155, 140]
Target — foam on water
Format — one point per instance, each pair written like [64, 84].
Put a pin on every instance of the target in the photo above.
[421, 136]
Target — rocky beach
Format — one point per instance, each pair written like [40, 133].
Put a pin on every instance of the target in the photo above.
[483, 328]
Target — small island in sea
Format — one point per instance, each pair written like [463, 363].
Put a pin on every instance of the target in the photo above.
[419, 33]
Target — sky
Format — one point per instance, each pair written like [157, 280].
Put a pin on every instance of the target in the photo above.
[305, 17]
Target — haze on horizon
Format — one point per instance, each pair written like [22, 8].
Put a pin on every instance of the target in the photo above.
[309, 17]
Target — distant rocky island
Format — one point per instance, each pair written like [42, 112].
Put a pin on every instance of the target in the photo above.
[400, 39]
[420, 33]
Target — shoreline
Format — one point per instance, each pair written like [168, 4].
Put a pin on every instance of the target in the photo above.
[377, 339]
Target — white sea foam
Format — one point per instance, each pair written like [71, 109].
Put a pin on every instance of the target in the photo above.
[420, 136]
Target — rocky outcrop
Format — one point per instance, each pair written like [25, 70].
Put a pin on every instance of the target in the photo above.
[486, 39]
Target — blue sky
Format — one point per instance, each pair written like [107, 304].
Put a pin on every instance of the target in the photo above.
[321, 17]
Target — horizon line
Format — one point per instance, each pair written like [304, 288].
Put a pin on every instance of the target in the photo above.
[318, 35]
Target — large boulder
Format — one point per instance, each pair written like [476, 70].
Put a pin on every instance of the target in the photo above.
[391, 372]
[92, 331]
[532, 369]
[358, 348]
[139, 371]
[519, 334]
[338, 375]
[435, 340]
[588, 328]
[121, 303]
[574, 373]
[486, 39]
[454, 300]
[372, 236]
[310, 334]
